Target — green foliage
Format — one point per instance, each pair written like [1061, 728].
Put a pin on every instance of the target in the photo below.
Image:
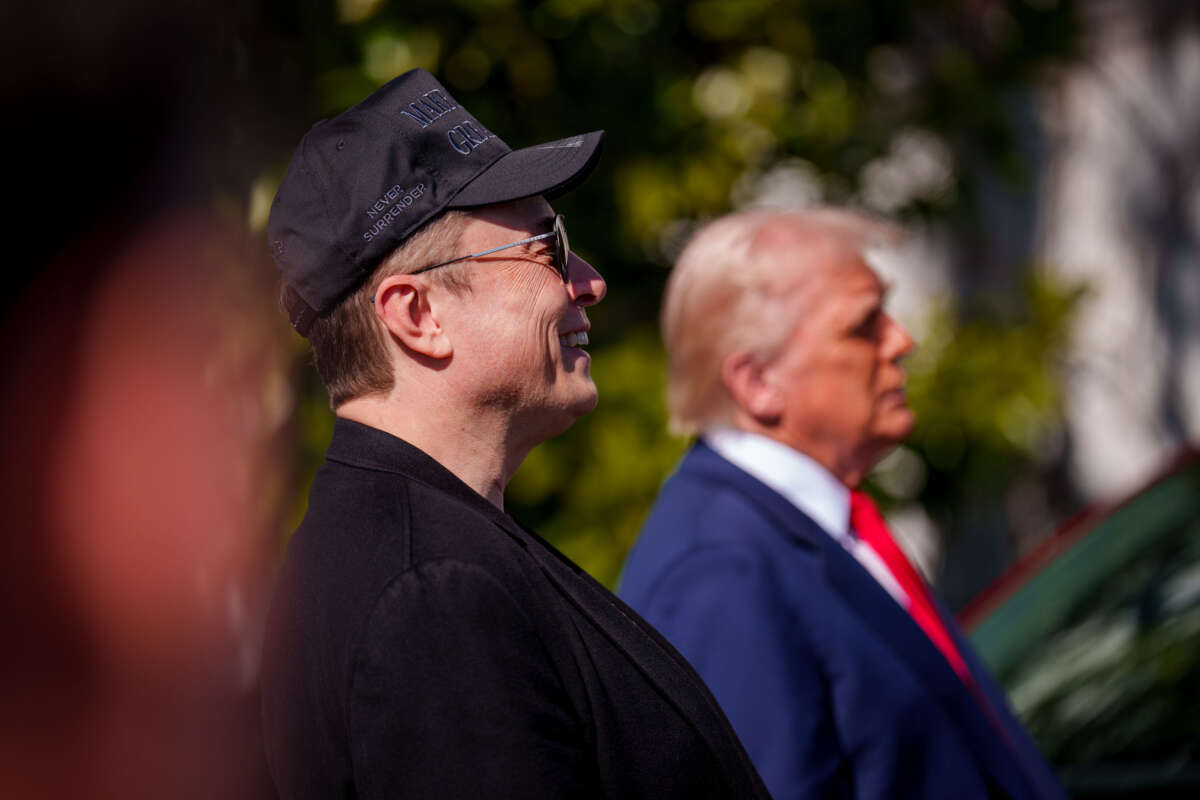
[701, 99]
[986, 390]
[313, 429]
[590, 489]
[987, 393]
[697, 97]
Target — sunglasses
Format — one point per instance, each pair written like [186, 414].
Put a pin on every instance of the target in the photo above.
[562, 250]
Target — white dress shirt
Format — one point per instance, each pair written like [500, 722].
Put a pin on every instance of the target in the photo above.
[809, 487]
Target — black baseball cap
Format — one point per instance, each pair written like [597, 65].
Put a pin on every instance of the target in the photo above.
[362, 182]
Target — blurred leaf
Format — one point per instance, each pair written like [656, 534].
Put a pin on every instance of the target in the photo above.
[700, 100]
[590, 489]
[987, 390]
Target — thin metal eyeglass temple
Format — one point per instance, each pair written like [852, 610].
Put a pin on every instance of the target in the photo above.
[485, 252]
[559, 231]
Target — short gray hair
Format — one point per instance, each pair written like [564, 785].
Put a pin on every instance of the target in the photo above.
[348, 343]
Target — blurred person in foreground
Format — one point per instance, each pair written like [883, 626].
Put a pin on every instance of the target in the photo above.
[421, 642]
[764, 563]
[140, 445]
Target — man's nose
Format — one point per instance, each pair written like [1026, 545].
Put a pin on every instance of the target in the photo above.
[584, 284]
[897, 341]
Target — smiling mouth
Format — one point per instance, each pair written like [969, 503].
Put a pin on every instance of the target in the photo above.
[573, 339]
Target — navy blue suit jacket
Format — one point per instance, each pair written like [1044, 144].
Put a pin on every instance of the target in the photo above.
[831, 686]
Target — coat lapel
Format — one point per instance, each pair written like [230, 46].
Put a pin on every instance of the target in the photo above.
[892, 624]
[645, 648]
[652, 654]
[885, 618]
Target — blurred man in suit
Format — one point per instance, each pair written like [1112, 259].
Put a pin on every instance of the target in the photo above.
[764, 563]
[422, 643]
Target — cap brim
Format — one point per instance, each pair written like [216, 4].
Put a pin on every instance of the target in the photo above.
[546, 169]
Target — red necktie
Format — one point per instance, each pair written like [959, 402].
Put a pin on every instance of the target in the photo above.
[868, 522]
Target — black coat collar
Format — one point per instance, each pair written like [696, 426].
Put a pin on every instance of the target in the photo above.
[362, 446]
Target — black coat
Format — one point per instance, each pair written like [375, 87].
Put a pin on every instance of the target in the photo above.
[422, 644]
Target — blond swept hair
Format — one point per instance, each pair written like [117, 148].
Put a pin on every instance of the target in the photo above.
[727, 294]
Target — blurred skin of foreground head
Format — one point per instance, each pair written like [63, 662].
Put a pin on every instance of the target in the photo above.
[495, 353]
[802, 350]
[138, 433]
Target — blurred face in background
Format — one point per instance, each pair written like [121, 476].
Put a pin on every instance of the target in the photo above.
[838, 370]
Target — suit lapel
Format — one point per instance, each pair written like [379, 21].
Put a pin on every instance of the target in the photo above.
[892, 624]
[1036, 770]
[884, 617]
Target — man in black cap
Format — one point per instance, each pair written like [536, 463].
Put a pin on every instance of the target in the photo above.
[421, 643]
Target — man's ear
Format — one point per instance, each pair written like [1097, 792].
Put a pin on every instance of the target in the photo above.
[403, 303]
[748, 382]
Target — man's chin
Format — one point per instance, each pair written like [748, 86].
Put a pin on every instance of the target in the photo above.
[583, 400]
[587, 402]
[553, 422]
[897, 425]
